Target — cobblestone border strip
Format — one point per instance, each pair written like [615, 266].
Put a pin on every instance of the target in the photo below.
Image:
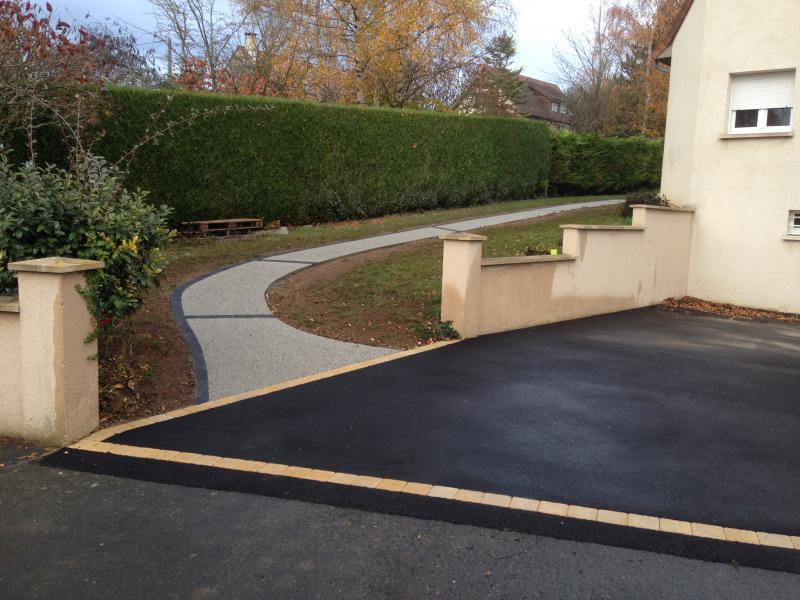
[567, 511]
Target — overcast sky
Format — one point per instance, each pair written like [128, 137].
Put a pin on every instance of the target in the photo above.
[540, 25]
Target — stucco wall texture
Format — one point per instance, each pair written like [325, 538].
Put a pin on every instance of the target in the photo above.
[602, 270]
[10, 380]
[742, 188]
[48, 369]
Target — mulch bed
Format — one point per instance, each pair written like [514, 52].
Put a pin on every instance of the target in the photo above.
[145, 365]
[728, 311]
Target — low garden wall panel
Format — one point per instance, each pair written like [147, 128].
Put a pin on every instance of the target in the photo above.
[603, 269]
[10, 381]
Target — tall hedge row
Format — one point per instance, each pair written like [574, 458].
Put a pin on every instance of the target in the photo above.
[304, 162]
[590, 164]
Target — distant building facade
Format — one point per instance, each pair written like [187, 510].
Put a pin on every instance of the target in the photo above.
[544, 101]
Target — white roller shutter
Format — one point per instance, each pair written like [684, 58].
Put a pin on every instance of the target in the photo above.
[763, 90]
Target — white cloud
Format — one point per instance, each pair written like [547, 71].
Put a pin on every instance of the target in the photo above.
[540, 29]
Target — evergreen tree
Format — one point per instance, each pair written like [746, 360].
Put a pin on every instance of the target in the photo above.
[497, 88]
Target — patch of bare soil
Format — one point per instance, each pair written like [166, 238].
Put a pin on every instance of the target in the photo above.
[309, 301]
[145, 365]
[728, 311]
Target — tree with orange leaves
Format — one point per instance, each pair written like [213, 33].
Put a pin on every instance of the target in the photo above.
[640, 98]
[388, 52]
[611, 79]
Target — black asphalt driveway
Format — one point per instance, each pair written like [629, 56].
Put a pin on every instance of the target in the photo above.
[689, 417]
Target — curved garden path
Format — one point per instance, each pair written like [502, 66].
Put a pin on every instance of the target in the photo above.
[238, 345]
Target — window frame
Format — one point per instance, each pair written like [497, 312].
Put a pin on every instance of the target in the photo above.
[761, 126]
[794, 223]
[554, 106]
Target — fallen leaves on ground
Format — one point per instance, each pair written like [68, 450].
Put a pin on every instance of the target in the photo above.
[729, 311]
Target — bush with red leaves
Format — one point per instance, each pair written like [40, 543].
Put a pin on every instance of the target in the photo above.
[49, 76]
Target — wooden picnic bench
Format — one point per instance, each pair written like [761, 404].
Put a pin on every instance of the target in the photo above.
[221, 227]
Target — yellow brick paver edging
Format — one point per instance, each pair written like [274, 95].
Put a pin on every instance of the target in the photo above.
[97, 443]
[636, 521]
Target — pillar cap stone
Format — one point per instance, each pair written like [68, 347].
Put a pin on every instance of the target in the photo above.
[688, 209]
[56, 264]
[463, 237]
[603, 227]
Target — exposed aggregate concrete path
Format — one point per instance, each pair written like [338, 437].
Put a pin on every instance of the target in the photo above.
[239, 345]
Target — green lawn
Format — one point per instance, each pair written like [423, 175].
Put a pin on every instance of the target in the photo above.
[394, 299]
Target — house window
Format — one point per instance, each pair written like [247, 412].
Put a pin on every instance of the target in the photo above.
[554, 106]
[563, 109]
[762, 102]
[794, 222]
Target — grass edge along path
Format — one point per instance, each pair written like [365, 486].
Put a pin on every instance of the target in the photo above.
[391, 297]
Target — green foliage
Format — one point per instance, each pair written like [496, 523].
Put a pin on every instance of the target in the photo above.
[648, 197]
[588, 163]
[504, 87]
[434, 329]
[304, 162]
[51, 212]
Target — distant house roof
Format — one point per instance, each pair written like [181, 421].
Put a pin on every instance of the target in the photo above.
[663, 53]
[241, 59]
[537, 98]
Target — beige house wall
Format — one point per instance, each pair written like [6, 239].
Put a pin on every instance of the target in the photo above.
[742, 188]
[603, 269]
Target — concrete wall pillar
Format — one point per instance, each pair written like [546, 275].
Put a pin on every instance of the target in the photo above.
[58, 368]
[461, 281]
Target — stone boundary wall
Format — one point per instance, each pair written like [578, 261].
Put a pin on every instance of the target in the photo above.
[603, 269]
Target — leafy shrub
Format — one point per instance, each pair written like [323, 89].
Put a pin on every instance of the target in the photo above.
[304, 162]
[647, 197]
[590, 164]
[50, 212]
[538, 249]
[436, 330]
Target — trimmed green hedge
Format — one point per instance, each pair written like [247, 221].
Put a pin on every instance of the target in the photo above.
[305, 162]
[590, 164]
